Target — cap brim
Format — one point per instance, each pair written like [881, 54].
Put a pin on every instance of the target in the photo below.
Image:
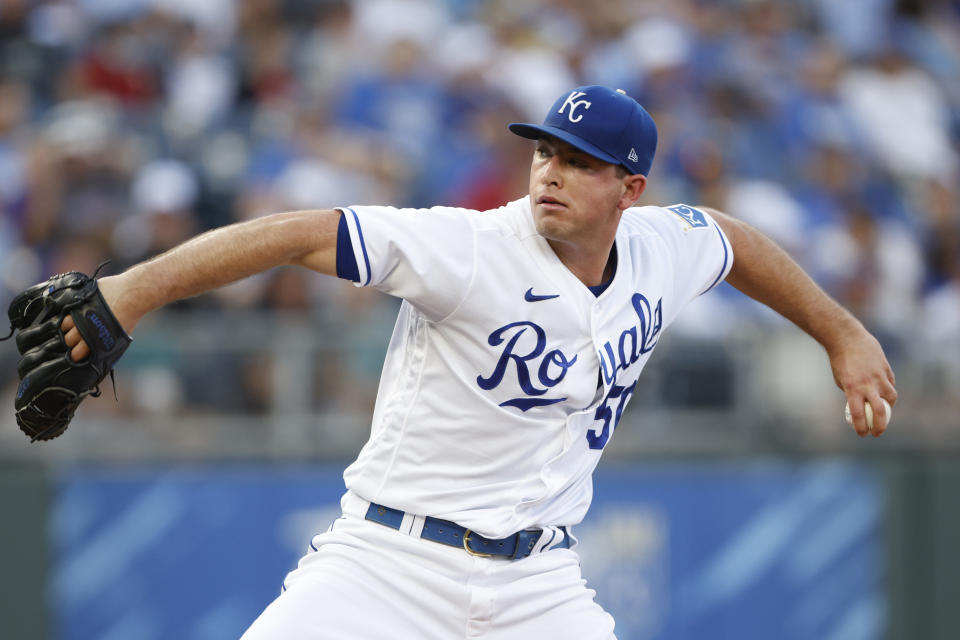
[534, 131]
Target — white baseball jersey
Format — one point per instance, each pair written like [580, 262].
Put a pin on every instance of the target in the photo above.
[506, 376]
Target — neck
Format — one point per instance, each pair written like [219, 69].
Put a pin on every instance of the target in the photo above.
[591, 266]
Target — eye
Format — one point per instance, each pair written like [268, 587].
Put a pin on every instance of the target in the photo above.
[543, 152]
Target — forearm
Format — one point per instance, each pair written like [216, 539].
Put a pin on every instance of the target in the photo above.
[766, 273]
[221, 256]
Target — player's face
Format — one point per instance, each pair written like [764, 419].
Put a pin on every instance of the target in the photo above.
[576, 197]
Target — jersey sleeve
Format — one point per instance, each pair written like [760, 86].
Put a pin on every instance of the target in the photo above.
[425, 256]
[702, 254]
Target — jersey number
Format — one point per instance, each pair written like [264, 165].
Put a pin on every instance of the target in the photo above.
[605, 412]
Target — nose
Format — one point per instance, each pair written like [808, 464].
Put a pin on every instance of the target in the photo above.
[550, 173]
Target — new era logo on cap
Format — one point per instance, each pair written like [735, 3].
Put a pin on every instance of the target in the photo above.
[607, 124]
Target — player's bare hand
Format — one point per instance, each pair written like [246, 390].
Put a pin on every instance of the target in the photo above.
[78, 348]
[862, 371]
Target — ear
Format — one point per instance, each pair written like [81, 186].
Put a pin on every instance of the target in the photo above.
[633, 187]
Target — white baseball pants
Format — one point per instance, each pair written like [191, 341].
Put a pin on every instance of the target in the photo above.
[366, 581]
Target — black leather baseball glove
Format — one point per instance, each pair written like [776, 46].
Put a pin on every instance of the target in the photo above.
[51, 384]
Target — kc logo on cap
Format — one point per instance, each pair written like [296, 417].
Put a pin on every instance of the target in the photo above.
[605, 123]
[573, 103]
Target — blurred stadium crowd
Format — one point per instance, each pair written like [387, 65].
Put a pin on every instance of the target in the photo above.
[127, 126]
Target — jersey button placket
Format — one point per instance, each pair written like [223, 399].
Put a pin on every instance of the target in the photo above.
[594, 320]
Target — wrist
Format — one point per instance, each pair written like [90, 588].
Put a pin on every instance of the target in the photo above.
[122, 299]
[839, 329]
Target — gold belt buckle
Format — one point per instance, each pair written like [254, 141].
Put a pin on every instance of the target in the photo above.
[466, 547]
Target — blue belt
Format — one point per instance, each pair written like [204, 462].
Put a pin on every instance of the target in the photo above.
[513, 547]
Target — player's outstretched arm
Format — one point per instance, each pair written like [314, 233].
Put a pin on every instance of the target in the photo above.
[765, 272]
[214, 259]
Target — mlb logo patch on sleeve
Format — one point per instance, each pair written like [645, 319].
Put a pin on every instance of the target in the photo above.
[691, 216]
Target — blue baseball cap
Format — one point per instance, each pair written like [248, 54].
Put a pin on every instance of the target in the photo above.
[606, 124]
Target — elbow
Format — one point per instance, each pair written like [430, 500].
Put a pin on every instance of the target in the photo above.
[313, 236]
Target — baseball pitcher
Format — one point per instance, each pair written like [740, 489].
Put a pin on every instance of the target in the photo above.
[519, 342]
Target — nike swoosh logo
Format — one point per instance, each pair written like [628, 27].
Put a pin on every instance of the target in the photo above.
[530, 296]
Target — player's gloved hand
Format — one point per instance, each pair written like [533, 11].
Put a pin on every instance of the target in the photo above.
[52, 383]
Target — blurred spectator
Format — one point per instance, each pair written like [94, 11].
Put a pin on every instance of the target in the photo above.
[525, 67]
[162, 197]
[200, 85]
[939, 203]
[119, 64]
[927, 31]
[330, 53]
[903, 115]
[858, 27]
[14, 150]
[402, 100]
[940, 323]
[884, 276]
[814, 114]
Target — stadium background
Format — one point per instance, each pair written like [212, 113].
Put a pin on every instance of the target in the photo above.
[733, 502]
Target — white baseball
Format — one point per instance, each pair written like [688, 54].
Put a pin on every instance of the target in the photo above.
[868, 410]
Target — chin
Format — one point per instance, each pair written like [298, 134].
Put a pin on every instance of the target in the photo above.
[551, 228]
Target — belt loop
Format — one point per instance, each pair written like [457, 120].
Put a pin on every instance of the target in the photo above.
[527, 543]
[416, 526]
[547, 536]
[406, 523]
